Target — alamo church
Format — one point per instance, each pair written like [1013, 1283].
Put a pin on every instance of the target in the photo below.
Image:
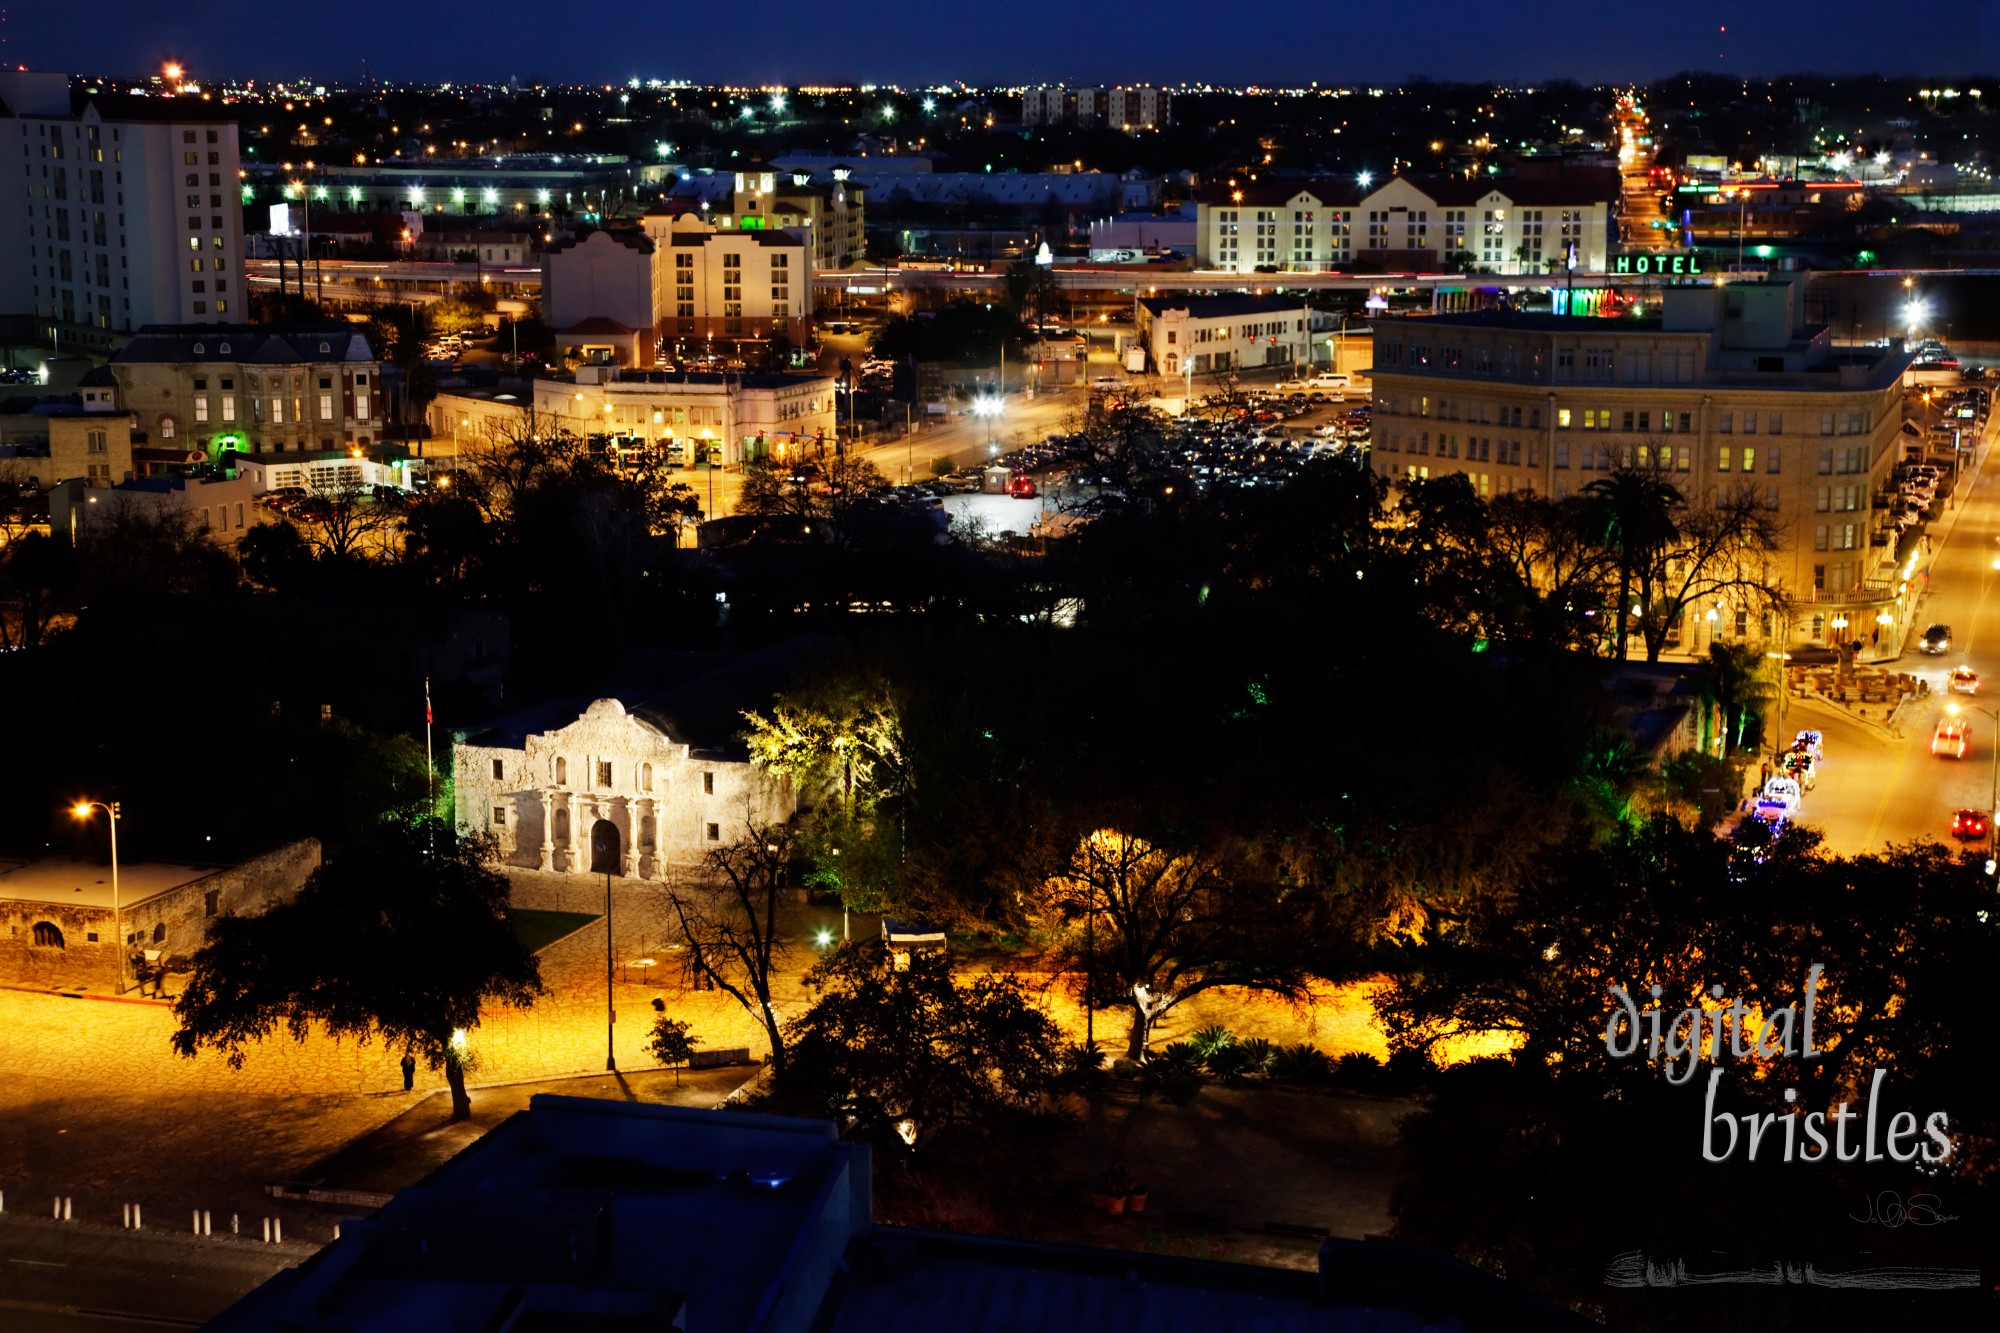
[636, 789]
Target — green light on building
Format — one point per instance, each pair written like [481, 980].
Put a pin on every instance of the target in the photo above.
[750, 224]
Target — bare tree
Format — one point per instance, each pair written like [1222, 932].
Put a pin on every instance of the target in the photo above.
[1722, 554]
[730, 931]
[511, 455]
[337, 517]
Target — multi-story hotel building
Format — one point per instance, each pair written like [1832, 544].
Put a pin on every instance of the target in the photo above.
[1408, 223]
[1726, 389]
[125, 212]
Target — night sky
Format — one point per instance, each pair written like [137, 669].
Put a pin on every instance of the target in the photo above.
[911, 41]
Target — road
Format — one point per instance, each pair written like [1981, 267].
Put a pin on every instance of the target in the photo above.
[1876, 788]
[89, 1279]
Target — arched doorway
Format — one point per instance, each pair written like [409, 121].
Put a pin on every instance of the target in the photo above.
[607, 849]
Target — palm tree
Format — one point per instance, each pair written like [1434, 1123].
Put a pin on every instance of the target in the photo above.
[1735, 683]
[1632, 514]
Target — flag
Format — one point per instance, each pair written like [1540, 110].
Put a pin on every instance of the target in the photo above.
[427, 701]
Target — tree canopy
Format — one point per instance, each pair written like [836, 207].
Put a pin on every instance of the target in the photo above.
[401, 938]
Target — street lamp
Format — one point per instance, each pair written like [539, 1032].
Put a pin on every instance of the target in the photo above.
[842, 887]
[988, 407]
[111, 811]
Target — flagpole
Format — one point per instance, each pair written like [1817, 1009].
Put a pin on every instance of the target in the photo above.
[430, 763]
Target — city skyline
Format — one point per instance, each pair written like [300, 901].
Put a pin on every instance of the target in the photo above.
[902, 41]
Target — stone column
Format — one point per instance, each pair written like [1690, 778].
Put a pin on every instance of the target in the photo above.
[631, 838]
[572, 862]
[548, 848]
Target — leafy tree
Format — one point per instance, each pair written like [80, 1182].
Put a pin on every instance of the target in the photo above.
[275, 556]
[403, 938]
[672, 1043]
[1734, 680]
[841, 732]
[962, 1060]
[1508, 1158]
[963, 333]
[730, 929]
[38, 581]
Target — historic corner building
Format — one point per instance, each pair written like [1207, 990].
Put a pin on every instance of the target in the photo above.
[610, 787]
[1726, 388]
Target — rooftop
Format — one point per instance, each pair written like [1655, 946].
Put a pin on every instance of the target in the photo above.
[1224, 307]
[606, 1215]
[85, 883]
[244, 344]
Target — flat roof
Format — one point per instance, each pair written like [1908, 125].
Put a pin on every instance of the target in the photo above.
[86, 883]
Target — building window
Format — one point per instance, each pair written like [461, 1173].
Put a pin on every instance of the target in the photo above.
[159, 932]
[47, 936]
[645, 777]
[708, 784]
[499, 815]
[714, 835]
[499, 769]
[604, 772]
[562, 770]
[211, 902]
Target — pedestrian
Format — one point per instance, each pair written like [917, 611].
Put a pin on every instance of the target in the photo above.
[409, 1071]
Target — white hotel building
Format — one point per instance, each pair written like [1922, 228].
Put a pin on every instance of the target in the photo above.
[1409, 223]
[125, 212]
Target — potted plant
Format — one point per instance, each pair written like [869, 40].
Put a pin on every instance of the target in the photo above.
[1111, 1191]
[1135, 1199]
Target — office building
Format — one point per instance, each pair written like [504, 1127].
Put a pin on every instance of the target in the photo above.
[126, 213]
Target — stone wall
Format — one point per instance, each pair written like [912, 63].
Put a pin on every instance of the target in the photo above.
[175, 923]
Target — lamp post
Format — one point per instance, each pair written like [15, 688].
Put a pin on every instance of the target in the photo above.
[111, 811]
[1784, 699]
[841, 882]
[988, 407]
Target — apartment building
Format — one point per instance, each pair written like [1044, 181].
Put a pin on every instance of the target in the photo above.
[1728, 390]
[125, 212]
[1409, 224]
[1138, 108]
[251, 388]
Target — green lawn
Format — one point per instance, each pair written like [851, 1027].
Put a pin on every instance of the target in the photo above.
[538, 930]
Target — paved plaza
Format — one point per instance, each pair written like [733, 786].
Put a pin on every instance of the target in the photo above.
[98, 1107]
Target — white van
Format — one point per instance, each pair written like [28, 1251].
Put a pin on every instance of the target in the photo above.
[1330, 380]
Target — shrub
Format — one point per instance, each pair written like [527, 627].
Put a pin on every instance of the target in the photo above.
[1357, 1069]
[1211, 1039]
[1301, 1064]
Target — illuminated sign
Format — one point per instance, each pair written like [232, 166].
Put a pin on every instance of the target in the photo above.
[751, 223]
[1679, 264]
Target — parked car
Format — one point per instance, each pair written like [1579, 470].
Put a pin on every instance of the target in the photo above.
[1936, 640]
